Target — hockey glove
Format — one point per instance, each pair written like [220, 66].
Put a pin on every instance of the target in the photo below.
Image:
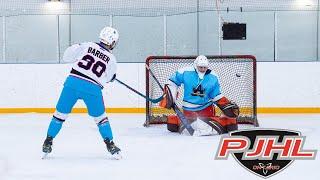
[228, 108]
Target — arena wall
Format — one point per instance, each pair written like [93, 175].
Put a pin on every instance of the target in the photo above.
[282, 87]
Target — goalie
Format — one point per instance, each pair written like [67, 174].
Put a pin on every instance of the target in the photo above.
[201, 93]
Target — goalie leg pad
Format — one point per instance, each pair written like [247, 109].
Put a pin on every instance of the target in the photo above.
[193, 117]
[219, 125]
[232, 127]
[173, 123]
[229, 124]
[214, 125]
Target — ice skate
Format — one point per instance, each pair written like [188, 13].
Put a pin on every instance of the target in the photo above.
[47, 147]
[113, 149]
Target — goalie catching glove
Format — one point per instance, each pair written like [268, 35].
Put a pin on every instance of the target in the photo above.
[167, 101]
[228, 108]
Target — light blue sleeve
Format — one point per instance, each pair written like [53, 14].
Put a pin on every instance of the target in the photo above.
[216, 90]
[177, 78]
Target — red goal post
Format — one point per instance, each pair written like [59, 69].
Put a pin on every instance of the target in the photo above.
[237, 75]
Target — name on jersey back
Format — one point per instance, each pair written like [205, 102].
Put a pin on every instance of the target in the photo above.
[98, 54]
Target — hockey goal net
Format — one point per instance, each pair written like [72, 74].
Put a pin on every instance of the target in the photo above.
[237, 75]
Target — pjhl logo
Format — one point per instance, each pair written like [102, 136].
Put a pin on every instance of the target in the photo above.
[264, 152]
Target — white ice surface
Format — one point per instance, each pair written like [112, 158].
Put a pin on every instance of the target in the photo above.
[148, 153]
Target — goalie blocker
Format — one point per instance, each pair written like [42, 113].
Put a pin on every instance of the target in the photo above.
[209, 122]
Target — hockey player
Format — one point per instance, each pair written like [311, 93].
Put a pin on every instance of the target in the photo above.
[201, 93]
[94, 66]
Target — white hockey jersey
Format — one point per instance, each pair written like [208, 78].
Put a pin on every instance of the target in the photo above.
[92, 62]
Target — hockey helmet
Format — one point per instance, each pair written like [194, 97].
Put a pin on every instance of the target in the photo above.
[201, 61]
[109, 36]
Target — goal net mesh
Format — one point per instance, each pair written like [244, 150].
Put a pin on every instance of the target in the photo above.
[148, 7]
[237, 75]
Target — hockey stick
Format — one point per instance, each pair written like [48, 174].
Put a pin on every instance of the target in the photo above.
[176, 109]
[137, 92]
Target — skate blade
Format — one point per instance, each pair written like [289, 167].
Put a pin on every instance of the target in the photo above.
[45, 155]
[116, 156]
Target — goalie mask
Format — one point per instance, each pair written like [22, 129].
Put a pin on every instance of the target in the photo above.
[201, 65]
[109, 36]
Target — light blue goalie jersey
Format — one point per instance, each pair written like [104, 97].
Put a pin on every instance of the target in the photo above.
[198, 93]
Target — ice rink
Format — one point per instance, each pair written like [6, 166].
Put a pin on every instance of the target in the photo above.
[148, 153]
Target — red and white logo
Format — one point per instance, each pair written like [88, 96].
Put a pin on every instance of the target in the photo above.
[264, 152]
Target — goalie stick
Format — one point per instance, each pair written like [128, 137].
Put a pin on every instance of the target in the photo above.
[137, 92]
[176, 109]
